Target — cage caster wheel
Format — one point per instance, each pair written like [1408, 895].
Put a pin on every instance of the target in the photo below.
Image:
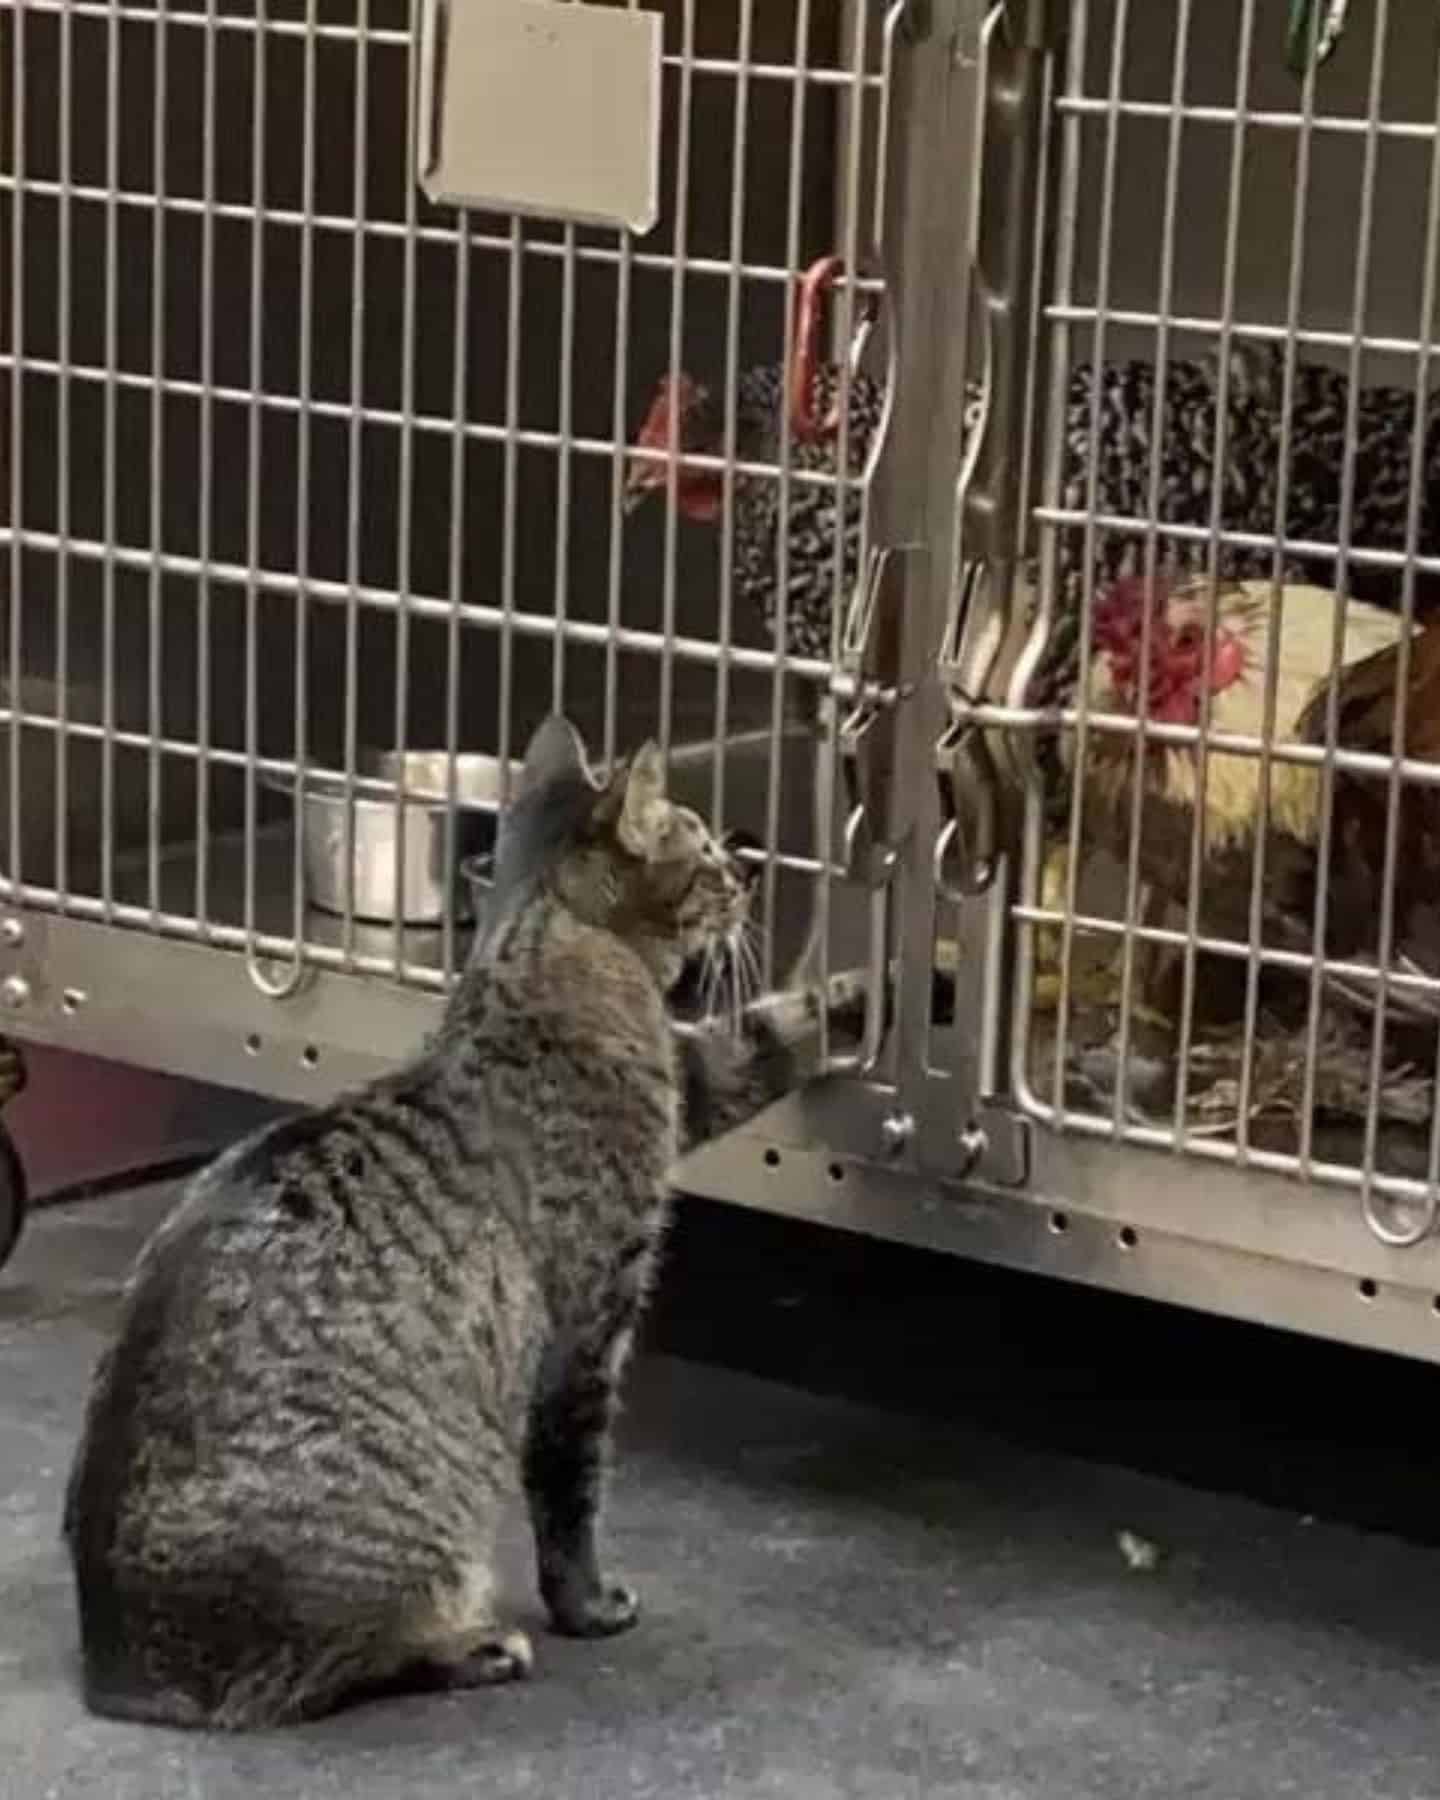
[12, 1173]
[12, 1197]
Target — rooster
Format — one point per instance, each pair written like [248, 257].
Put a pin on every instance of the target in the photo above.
[1235, 669]
[688, 408]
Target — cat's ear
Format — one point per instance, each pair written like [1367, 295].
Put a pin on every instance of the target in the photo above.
[556, 749]
[643, 809]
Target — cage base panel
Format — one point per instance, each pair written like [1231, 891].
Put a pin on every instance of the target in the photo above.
[189, 1009]
[1248, 1208]
[1257, 1248]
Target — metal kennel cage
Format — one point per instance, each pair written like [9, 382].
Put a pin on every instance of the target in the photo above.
[309, 476]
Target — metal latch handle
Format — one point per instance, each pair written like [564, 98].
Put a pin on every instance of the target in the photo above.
[1017, 43]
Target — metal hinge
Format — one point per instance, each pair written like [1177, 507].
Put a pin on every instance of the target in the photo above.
[1002, 1139]
[969, 842]
[878, 820]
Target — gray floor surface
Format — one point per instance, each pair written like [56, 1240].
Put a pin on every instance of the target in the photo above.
[838, 1603]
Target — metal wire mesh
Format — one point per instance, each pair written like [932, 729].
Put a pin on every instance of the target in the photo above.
[1226, 919]
[303, 469]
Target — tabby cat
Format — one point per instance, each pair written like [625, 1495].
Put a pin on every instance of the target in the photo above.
[363, 1329]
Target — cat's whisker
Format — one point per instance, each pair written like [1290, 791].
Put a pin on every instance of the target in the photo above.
[749, 969]
[709, 976]
[732, 979]
[746, 951]
[747, 960]
[716, 965]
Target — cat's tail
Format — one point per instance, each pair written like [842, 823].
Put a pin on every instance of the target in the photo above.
[281, 1682]
[225, 1651]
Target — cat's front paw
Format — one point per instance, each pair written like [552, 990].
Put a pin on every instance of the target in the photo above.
[593, 1613]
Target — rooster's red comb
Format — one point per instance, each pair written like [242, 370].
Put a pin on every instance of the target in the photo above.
[1125, 601]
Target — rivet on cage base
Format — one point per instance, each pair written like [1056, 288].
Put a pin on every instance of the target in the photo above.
[896, 1130]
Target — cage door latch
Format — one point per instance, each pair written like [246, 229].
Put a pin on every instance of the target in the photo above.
[970, 837]
[1018, 42]
[876, 686]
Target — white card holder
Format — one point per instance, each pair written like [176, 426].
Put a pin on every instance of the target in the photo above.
[546, 109]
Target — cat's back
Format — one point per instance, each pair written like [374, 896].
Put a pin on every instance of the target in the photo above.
[298, 1305]
[209, 1317]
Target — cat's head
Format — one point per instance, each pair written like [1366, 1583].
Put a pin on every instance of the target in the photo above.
[621, 853]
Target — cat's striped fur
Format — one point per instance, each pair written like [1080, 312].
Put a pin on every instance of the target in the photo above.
[363, 1329]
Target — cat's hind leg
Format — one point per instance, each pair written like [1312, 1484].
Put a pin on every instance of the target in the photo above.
[490, 1660]
[458, 1643]
[449, 1640]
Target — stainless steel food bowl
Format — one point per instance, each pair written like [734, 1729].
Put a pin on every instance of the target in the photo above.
[369, 876]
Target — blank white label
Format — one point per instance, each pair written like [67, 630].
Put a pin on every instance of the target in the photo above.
[534, 107]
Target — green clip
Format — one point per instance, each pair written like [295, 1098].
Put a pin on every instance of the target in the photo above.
[1302, 32]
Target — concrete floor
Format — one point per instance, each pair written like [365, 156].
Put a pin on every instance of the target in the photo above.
[841, 1600]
